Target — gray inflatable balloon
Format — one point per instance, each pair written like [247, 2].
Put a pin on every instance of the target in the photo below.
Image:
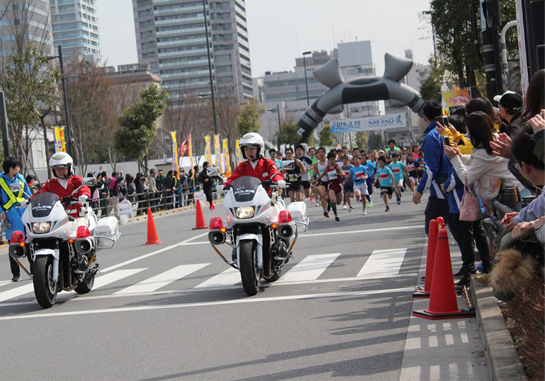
[364, 89]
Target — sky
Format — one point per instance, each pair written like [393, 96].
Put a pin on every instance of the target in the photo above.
[279, 30]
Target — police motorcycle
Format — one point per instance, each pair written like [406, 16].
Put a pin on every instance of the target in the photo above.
[64, 254]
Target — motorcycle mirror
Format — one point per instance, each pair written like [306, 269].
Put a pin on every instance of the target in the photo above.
[89, 181]
[288, 164]
[213, 170]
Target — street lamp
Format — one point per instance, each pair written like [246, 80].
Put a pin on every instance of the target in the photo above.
[66, 112]
[210, 69]
[433, 38]
[306, 79]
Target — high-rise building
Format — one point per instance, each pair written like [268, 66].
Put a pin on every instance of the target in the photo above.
[171, 37]
[75, 28]
[25, 20]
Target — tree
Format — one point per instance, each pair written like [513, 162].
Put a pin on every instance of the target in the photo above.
[375, 141]
[288, 135]
[361, 140]
[431, 87]
[325, 137]
[250, 117]
[138, 125]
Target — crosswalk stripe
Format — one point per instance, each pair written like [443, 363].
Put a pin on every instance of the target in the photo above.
[229, 277]
[383, 262]
[109, 278]
[7, 295]
[163, 279]
[309, 268]
[5, 282]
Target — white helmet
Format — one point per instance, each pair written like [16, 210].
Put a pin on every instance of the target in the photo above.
[61, 159]
[252, 139]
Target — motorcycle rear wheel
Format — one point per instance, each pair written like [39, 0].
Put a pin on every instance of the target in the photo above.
[249, 271]
[45, 288]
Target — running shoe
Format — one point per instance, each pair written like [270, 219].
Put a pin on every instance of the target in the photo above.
[326, 214]
[370, 204]
[345, 206]
[212, 207]
[399, 201]
[351, 209]
[337, 219]
[387, 209]
[364, 212]
[317, 203]
[310, 198]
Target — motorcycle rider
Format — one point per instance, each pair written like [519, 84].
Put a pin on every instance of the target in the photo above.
[68, 186]
[253, 147]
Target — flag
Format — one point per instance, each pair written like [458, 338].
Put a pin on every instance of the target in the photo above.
[225, 158]
[238, 154]
[190, 150]
[183, 148]
[217, 152]
[207, 149]
[175, 161]
[60, 145]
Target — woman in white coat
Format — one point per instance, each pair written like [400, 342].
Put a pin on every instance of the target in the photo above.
[482, 169]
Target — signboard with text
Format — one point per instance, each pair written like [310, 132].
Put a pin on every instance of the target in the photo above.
[380, 122]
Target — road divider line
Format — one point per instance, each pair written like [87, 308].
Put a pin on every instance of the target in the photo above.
[128, 262]
[161, 280]
[405, 290]
[383, 262]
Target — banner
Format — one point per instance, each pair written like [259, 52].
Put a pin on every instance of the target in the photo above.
[183, 148]
[175, 159]
[453, 99]
[380, 122]
[190, 150]
[225, 157]
[60, 145]
[207, 150]
[238, 154]
[217, 153]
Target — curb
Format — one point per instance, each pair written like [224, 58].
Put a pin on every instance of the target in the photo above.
[501, 357]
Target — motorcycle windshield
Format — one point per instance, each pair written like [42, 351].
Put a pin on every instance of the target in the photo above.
[244, 188]
[42, 204]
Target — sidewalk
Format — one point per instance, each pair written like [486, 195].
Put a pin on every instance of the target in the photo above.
[443, 349]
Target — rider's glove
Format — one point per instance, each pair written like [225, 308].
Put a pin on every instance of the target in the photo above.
[226, 187]
[281, 184]
[67, 199]
[82, 199]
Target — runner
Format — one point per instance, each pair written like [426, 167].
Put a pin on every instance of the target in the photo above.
[412, 168]
[399, 170]
[313, 188]
[307, 163]
[371, 169]
[385, 179]
[319, 178]
[358, 173]
[334, 175]
[420, 161]
[293, 176]
[348, 184]
[392, 148]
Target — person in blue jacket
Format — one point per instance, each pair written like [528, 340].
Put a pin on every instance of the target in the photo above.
[437, 167]
[14, 191]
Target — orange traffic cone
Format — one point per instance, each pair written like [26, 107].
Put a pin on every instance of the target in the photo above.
[153, 239]
[443, 304]
[201, 223]
[420, 292]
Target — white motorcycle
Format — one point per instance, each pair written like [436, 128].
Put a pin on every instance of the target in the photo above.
[260, 229]
[64, 254]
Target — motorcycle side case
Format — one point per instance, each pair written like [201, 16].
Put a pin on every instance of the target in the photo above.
[298, 211]
[106, 232]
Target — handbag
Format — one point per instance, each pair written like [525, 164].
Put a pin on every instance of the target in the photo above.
[470, 210]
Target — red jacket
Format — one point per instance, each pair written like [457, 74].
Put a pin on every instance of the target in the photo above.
[53, 186]
[264, 170]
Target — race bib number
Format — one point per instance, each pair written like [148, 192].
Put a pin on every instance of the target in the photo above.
[384, 176]
[293, 177]
[359, 175]
[332, 175]
[396, 171]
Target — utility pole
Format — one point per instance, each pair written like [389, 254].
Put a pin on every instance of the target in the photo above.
[4, 121]
[491, 47]
[210, 69]
[279, 128]
[66, 113]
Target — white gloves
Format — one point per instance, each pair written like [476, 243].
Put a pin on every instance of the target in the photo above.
[82, 199]
[281, 184]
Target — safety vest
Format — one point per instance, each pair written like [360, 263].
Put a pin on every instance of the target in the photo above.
[12, 198]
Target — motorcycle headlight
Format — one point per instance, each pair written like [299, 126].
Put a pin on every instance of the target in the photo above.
[41, 227]
[245, 212]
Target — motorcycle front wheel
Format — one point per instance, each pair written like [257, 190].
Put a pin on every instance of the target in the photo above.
[45, 288]
[249, 272]
[86, 284]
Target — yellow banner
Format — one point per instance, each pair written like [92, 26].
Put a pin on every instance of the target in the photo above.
[452, 99]
[190, 150]
[238, 154]
[60, 145]
[175, 159]
[217, 152]
[225, 161]
[207, 150]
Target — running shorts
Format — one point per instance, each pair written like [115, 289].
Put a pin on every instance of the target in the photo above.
[336, 187]
[388, 190]
[348, 188]
[294, 186]
[305, 184]
[362, 187]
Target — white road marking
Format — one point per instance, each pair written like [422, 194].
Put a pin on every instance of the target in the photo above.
[152, 253]
[156, 282]
[107, 279]
[309, 268]
[207, 304]
[229, 277]
[4, 282]
[383, 262]
[14, 293]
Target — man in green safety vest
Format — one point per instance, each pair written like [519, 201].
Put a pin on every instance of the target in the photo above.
[14, 191]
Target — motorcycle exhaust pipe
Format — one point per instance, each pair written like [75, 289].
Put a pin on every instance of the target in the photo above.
[285, 231]
[16, 251]
[216, 237]
[84, 245]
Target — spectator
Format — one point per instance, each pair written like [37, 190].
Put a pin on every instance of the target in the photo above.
[104, 192]
[207, 184]
[510, 105]
[140, 196]
[437, 169]
[535, 96]
[131, 188]
[170, 187]
[30, 180]
[153, 191]
[484, 105]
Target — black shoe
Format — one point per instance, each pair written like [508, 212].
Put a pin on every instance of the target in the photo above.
[460, 273]
[464, 281]
[15, 278]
